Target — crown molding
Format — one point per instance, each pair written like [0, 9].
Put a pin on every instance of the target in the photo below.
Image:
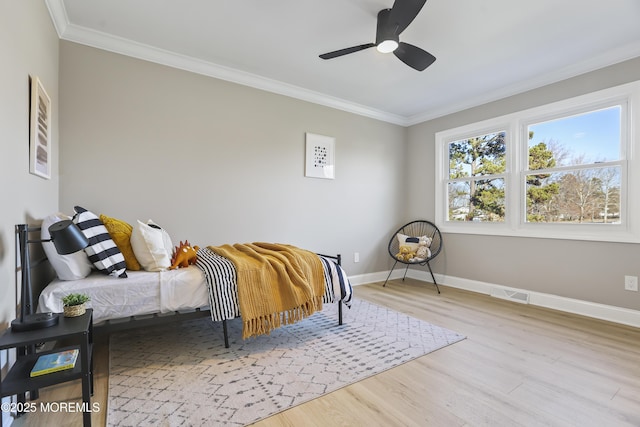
[612, 57]
[108, 42]
[58, 15]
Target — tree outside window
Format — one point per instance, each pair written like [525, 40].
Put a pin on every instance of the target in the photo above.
[577, 168]
[476, 185]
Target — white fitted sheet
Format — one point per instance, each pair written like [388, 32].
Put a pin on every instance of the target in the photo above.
[141, 293]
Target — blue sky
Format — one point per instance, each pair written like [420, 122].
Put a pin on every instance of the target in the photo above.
[594, 134]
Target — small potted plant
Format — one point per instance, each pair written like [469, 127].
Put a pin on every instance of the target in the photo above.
[73, 304]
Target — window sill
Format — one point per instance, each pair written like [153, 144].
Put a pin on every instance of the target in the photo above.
[613, 233]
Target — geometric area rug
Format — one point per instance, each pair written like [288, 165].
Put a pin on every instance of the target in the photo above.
[182, 375]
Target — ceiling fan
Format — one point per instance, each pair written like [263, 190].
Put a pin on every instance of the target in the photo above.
[392, 22]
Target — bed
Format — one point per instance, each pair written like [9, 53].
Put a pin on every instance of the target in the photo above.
[148, 297]
[134, 282]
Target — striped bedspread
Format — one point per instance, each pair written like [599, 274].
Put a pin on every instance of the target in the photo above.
[221, 279]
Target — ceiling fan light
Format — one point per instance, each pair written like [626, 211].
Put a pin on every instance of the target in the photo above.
[387, 46]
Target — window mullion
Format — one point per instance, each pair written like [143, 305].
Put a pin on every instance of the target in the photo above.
[599, 165]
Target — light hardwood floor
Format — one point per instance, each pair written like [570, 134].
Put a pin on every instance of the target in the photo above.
[519, 366]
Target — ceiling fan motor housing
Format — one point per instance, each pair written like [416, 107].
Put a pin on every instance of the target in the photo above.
[384, 31]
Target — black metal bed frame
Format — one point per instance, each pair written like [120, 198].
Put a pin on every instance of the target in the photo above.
[130, 322]
[162, 318]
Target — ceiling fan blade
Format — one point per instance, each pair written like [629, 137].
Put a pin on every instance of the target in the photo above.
[346, 51]
[403, 13]
[413, 56]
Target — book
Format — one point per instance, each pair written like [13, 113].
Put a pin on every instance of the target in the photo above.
[54, 362]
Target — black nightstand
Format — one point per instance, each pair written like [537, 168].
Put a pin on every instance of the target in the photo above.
[70, 332]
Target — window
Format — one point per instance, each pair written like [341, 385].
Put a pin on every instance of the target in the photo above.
[563, 170]
[476, 178]
[574, 169]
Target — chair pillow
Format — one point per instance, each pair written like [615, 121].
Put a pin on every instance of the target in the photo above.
[102, 250]
[412, 242]
[67, 267]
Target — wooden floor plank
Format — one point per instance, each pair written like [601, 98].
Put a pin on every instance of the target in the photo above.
[519, 366]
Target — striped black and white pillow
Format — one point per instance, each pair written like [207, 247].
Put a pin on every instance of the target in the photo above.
[102, 250]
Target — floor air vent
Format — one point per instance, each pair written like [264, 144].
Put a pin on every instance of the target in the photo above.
[511, 295]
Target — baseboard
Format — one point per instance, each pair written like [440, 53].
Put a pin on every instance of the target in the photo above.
[381, 276]
[609, 313]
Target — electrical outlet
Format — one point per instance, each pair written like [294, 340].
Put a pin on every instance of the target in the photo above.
[631, 283]
[356, 257]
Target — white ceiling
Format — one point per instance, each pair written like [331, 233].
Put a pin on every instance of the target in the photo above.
[485, 49]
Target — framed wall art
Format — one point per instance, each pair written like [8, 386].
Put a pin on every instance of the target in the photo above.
[39, 131]
[320, 156]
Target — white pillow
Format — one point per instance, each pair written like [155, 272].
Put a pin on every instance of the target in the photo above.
[68, 267]
[152, 246]
[412, 242]
[166, 239]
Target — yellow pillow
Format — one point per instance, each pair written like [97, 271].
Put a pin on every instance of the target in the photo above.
[120, 232]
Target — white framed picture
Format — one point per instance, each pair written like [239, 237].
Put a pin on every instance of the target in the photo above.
[39, 131]
[320, 156]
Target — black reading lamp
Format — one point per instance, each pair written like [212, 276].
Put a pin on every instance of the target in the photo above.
[67, 239]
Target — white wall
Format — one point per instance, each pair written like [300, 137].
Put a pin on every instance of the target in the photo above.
[589, 271]
[215, 162]
[28, 46]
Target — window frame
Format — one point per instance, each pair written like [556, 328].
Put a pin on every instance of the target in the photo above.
[515, 125]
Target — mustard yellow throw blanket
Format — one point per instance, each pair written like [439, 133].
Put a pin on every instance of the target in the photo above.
[277, 284]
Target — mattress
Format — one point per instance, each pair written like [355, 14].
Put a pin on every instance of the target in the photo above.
[145, 293]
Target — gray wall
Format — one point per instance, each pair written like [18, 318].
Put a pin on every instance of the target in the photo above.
[590, 271]
[215, 162]
[28, 46]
